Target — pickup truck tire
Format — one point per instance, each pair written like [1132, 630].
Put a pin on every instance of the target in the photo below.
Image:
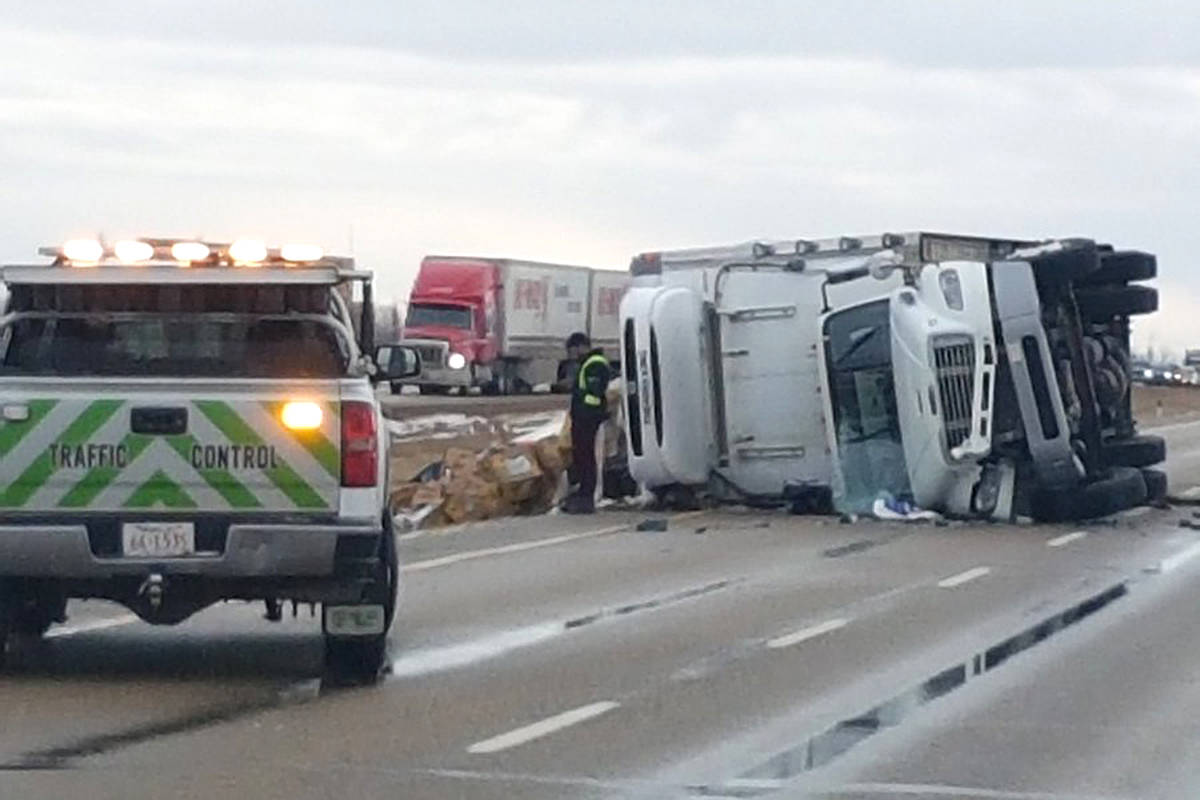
[360, 660]
[1124, 266]
[1122, 488]
[1076, 261]
[1156, 485]
[1103, 303]
[1135, 451]
[33, 618]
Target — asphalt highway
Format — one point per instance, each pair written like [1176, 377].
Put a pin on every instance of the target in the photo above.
[735, 654]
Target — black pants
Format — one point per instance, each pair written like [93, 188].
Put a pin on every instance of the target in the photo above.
[583, 452]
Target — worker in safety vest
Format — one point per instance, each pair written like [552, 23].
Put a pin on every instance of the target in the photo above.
[588, 412]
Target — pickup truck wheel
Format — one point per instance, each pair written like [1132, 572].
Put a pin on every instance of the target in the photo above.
[1123, 488]
[1156, 485]
[1124, 266]
[1103, 303]
[360, 660]
[1135, 451]
[34, 618]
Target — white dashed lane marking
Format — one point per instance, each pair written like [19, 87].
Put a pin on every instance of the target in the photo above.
[805, 634]
[963, 577]
[543, 727]
[1059, 541]
[1179, 559]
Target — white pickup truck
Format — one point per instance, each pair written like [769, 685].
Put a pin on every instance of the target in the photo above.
[980, 377]
[188, 422]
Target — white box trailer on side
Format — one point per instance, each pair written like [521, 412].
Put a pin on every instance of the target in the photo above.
[976, 376]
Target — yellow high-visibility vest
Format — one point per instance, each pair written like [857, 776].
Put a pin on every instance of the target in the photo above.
[590, 399]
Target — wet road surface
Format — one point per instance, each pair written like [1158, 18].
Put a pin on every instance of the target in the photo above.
[732, 655]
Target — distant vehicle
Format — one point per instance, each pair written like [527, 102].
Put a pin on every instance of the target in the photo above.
[189, 422]
[500, 324]
[1161, 374]
[980, 377]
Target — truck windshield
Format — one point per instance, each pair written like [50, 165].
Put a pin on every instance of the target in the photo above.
[863, 395]
[178, 345]
[425, 315]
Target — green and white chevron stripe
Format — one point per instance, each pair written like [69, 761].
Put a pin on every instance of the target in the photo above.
[74, 454]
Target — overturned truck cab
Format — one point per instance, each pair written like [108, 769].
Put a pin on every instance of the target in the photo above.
[978, 377]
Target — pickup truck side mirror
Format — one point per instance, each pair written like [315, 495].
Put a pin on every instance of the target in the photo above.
[396, 361]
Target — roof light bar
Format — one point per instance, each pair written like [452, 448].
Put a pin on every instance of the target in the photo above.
[245, 252]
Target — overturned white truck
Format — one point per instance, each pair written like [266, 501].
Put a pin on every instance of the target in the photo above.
[974, 376]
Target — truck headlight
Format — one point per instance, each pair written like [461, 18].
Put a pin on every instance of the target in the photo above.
[951, 288]
[1147, 373]
[456, 361]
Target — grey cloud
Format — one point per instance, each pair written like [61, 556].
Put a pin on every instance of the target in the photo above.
[978, 33]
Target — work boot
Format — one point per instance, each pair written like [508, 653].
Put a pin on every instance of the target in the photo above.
[578, 504]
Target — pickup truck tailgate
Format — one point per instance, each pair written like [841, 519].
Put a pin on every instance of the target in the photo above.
[183, 446]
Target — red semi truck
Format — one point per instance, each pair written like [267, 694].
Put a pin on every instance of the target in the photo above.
[499, 324]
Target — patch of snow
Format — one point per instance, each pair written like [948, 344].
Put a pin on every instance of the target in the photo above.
[1026, 253]
[544, 426]
[436, 426]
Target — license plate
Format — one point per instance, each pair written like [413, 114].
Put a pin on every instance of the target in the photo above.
[354, 620]
[158, 539]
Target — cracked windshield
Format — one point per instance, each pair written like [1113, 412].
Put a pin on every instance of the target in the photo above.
[606, 399]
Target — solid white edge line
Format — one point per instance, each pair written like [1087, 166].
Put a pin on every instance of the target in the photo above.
[1179, 559]
[469, 555]
[542, 728]
[1067, 538]
[455, 558]
[963, 577]
[803, 635]
[94, 625]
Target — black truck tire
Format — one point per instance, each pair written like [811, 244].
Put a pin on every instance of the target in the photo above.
[1124, 266]
[1122, 488]
[360, 660]
[1103, 303]
[1078, 259]
[33, 617]
[1135, 451]
[1156, 485]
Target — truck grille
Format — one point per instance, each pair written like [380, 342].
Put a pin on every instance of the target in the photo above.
[431, 356]
[954, 361]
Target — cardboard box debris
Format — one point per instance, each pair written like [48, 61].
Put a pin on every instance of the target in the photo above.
[460, 462]
[428, 494]
[515, 471]
[500, 480]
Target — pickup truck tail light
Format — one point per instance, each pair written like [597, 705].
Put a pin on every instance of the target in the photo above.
[360, 445]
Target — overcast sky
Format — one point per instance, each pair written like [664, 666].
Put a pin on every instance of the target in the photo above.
[587, 131]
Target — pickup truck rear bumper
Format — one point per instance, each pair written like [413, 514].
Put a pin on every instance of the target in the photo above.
[248, 550]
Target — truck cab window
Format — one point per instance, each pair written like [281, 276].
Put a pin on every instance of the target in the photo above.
[420, 315]
[862, 393]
